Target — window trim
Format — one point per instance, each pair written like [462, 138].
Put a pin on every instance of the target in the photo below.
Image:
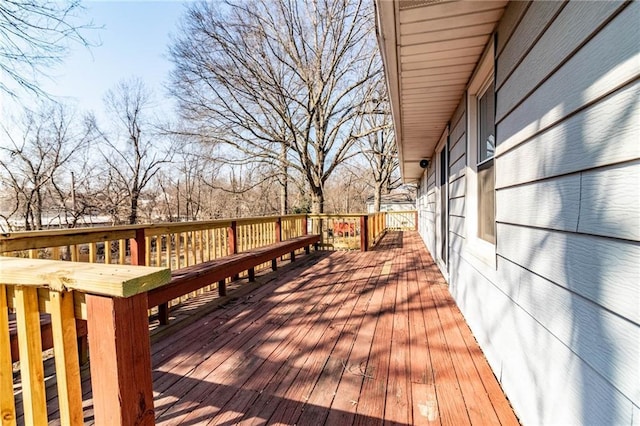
[480, 249]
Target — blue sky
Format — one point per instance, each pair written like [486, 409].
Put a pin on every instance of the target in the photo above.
[132, 41]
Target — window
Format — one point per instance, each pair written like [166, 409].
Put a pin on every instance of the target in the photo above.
[486, 177]
[480, 173]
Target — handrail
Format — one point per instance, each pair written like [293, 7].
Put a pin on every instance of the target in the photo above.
[104, 280]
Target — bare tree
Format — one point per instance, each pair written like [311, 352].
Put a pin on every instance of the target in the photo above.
[134, 158]
[378, 146]
[35, 35]
[281, 82]
[34, 163]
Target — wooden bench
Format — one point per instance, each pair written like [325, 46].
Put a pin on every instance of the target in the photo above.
[192, 278]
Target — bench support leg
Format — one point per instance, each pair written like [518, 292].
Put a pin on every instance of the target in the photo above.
[163, 313]
[293, 256]
[83, 350]
[222, 288]
[274, 264]
[307, 249]
[252, 274]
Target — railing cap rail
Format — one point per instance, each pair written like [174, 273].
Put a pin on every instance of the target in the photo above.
[93, 278]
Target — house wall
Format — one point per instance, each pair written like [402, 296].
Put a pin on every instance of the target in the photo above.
[426, 205]
[558, 314]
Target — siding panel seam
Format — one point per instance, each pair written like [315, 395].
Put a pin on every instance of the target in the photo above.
[560, 65]
[622, 86]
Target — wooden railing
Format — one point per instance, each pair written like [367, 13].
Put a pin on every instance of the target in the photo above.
[113, 301]
[171, 245]
[401, 220]
[339, 232]
[376, 226]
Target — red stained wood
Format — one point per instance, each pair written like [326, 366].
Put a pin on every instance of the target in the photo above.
[138, 248]
[188, 279]
[338, 338]
[120, 360]
[364, 234]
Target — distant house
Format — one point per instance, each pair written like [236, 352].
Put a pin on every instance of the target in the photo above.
[529, 113]
[393, 202]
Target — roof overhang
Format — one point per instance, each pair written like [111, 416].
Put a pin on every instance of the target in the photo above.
[429, 50]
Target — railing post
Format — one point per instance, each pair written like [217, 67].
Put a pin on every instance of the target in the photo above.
[278, 231]
[363, 233]
[304, 225]
[232, 238]
[120, 360]
[138, 248]
[278, 238]
[415, 220]
[138, 251]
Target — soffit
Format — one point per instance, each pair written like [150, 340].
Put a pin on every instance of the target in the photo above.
[430, 49]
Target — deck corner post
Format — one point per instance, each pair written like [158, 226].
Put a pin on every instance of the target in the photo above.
[138, 248]
[120, 360]
[363, 233]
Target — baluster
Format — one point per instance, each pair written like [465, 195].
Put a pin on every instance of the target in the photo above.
[7, 401]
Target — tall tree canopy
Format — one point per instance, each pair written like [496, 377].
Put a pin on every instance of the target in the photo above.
[278, 81]
[34, 35]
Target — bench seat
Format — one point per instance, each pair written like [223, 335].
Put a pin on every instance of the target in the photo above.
[191, 278]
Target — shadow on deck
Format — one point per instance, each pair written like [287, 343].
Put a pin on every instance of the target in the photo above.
[338, 338]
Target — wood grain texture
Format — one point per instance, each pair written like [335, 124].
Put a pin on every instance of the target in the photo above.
[7, 401]
[110, 280]
[555, 46]
[602, 270]
[615, 118]
[537, 17]
[31, 367]
[63, 325]
[280, 352]
[56, 238]
[579, 81]
[610, 202]
[120, 360]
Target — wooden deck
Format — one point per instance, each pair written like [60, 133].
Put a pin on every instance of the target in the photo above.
[338, 338]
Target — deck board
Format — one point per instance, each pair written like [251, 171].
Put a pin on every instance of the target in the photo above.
[337, 338]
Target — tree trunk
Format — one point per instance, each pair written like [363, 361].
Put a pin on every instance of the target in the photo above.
[38, 211]
[317, 200]
[377, 197]
[133, 215]
[284, 189]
